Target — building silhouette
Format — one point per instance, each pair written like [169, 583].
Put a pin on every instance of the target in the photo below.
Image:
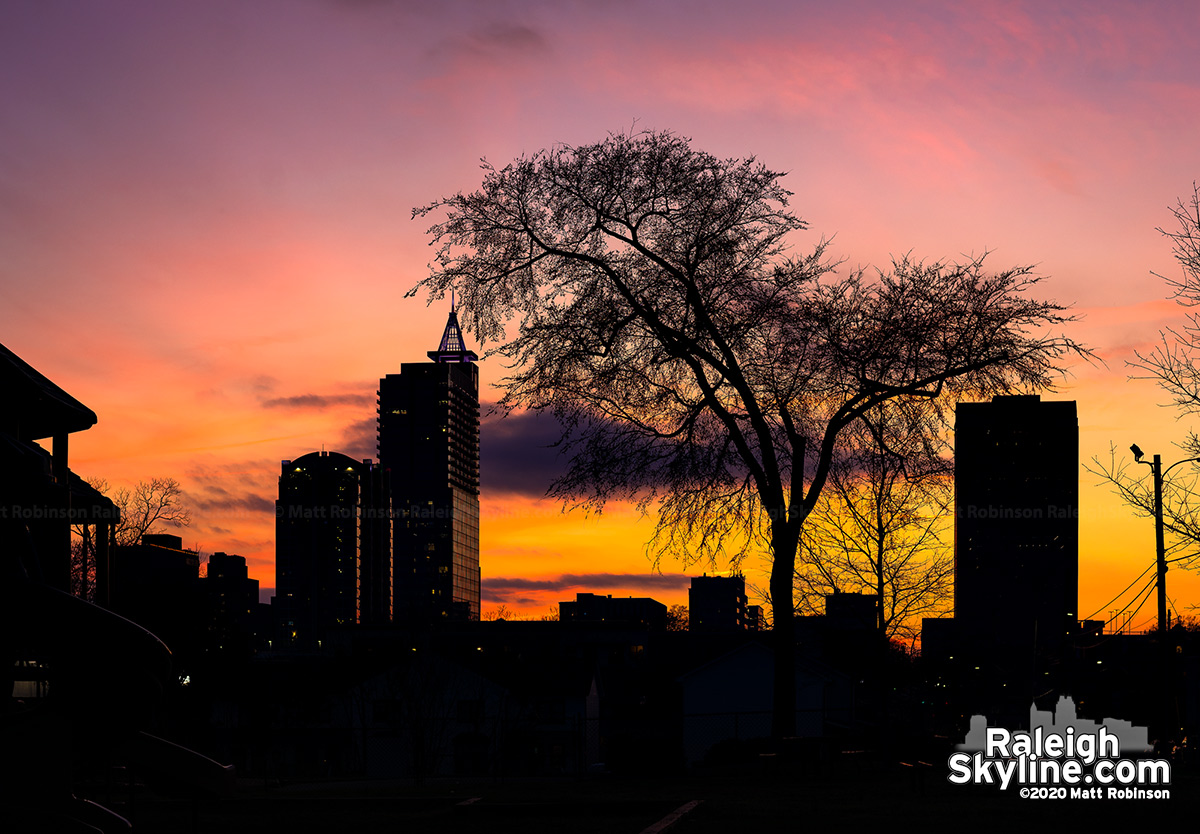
[233, 594]
[83, 683]
[331, 547]
[429, 451]
[40, 497]
[158, 569]
[156, 584]
[233, 607]
[1016, 543]
[852, 611]
[756, 619]
[718, 604]
[596, 609]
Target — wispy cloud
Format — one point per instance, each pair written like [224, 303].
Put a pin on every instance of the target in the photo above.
[317, 401]
[213, 497]
[517, 453]
[500, 586]
[358, 439]
[497, 44]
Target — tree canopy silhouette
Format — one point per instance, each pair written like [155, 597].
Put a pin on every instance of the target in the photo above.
[1174, 364]
[699, 365]
[884, 522]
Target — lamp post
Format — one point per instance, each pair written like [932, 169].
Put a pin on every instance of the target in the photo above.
[1160, 547]
[1159, 474]
[1168, 724]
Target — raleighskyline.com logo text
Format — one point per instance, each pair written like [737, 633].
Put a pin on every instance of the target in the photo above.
[1062, 756]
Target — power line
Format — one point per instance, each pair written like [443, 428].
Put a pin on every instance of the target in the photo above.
[1118, 596]
[1143, 594]
[1146, 591]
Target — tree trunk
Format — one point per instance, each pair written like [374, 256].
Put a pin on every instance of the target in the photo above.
[783, 719]
[881, 611]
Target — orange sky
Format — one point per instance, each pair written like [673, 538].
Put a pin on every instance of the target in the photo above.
[205, 210]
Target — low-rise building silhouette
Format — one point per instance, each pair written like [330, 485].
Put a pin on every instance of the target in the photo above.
[594, 609]
[237, 624]
[156, 584]
[717, 604]
[84, 683]
[40, 497]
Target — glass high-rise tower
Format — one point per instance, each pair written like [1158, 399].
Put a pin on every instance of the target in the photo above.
[429, 451]
[331, 547]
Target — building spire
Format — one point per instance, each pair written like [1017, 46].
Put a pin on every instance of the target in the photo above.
[452, 347]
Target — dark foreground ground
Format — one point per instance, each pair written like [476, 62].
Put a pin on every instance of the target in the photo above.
[758, 800]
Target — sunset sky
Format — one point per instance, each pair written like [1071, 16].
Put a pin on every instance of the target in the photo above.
[205, 214]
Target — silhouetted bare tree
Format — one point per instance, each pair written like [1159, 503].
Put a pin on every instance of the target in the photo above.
[677, 618]
[1175, 365]
[144, 509]
[1180, 498]
[494, 614]
[148, 508]
[698, 366]
[884, 523]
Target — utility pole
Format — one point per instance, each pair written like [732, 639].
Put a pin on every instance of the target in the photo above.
[1161, 548]
[1169, 724]
[1159, 545]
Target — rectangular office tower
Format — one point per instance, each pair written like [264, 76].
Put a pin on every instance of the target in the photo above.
[1016, 541]
[429, 449]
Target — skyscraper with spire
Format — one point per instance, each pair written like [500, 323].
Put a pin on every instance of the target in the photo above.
[429, 451]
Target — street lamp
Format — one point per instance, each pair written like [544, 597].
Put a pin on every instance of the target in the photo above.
[1156, 467]
[1169, 725]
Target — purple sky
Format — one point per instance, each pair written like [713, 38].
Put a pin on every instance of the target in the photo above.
[205, 207]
